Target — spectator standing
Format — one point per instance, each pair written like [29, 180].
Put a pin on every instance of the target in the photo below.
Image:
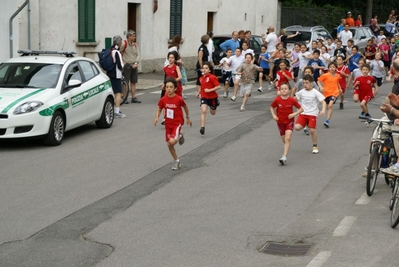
[210, 46]
[358, 21]
[390, 27]
[270, 40]
[203, 55]
[283, 37]
[340, 28]
[131, 59]
[349, 20]
[345, 35]
[115, 75]
[232, 43]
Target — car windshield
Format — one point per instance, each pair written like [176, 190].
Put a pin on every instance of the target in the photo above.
[302, 37]
[29, 75]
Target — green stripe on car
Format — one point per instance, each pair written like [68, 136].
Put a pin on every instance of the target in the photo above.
[50, 110]
[20, 99]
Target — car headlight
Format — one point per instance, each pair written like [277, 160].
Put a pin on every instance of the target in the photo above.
[27, 107]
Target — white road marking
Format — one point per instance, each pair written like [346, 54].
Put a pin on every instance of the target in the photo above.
[321, 258]
[363, 200]
[344, 226]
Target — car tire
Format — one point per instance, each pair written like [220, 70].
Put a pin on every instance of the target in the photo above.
[107, 114]
[56, 131]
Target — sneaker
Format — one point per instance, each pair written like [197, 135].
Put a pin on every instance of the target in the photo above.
[202, 130]
[306, 131]
[283, 160]
[327, 123]
[271, 86]
[176, 166]
[181, 139]
[225, 94]
[315, 150]
[392, 170]
[341, 105]
[242, 108]
[135, 100]
[119, 115]
[367, 116]
[260, 89]
[362, 115]
[364, 175]
[233, 98]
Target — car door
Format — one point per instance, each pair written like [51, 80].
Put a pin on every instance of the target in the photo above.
[73, 91]
[94, 87]
[362, 39]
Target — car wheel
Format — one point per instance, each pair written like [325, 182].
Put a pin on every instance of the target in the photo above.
[107, 115]
[56, 131]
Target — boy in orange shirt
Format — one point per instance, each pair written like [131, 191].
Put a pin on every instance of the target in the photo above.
[329, 86]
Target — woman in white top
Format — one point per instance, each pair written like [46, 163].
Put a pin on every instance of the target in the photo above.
[210, 46]
[174, 45]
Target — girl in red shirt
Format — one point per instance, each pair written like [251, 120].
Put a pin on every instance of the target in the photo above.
[172, 70]
[207, 94]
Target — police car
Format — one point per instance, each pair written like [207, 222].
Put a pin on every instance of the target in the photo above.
[45, 95]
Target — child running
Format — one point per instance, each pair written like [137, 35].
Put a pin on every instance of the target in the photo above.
[209, 97]
[247, 72]
[284, 104]
[264, 60]
[329, 86]
[344, 72]
[173, 104]
[363, 90]
[309, 100]
[226, 71]
[282, 76]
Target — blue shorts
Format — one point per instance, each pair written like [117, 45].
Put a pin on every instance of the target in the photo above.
[116, 85]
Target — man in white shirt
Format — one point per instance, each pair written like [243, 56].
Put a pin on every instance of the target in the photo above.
[345, 35]
[270, 40]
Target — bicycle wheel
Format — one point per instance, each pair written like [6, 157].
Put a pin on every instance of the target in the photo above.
[125, 92]
[392, 159]
[373, 169]
[394, 192]
[395, 211]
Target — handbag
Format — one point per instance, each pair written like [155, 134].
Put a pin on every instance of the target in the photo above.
[184, 80]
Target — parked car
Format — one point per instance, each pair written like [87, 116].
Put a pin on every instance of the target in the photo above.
[44, 96]
[360, 36]
[306, 35]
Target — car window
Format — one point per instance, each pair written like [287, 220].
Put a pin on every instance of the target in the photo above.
[31, 75]
[89, 71]
[323, 33]
[73, 73]
[218, 40]
[302, 37]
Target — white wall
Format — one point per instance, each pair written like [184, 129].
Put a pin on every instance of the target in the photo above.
[54, 24]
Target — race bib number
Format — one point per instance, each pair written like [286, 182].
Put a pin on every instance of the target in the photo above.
[169, 113]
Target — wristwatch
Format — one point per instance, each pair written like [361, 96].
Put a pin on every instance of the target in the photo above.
[187, 117]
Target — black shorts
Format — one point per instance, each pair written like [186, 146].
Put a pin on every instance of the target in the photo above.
[296, 71]
[330, 98]
[116, 85]
[226, 76]
[378, 80]
[212, 103]
[266, 71]
[386, 63]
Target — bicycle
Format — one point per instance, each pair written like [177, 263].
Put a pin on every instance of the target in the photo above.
[382, 152]
[125, 91]
[394, 203]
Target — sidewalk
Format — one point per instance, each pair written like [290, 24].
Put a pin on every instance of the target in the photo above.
[155, 79]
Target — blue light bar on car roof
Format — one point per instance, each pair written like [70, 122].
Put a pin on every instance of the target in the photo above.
[40, 52]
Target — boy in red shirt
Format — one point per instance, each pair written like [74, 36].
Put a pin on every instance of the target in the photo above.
[344, 72]
[173, 104]
[284, 104]
[209, 97]
[363, 90]
[283, 76]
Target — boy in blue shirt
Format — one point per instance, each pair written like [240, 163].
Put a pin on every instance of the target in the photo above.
[316, 64]
[264, 60]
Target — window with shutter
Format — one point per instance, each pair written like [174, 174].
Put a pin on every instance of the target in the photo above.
[86, 20]
[176, 16]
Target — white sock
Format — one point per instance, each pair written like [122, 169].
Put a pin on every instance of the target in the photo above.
[117, 109]
[178, 160]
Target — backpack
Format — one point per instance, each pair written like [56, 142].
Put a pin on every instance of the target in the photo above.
[106, 61]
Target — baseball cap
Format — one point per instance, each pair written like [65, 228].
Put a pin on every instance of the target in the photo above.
[349, 12]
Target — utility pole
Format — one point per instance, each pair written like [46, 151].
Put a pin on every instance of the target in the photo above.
[369, 11]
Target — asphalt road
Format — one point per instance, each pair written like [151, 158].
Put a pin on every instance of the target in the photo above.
[110, 198]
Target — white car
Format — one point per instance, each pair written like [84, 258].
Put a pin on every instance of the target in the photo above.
[43, 95]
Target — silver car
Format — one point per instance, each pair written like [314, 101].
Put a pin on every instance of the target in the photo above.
[360, 36]
[306, 35]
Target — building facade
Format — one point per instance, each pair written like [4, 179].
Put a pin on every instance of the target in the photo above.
[87, 26]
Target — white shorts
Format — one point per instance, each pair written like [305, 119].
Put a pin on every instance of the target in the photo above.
[245, 89]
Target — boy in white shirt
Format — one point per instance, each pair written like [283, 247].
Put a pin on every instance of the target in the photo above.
[226, 71]
[235, 62]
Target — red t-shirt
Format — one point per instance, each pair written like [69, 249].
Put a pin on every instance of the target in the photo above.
[173, 109]
[209, 81]
[342, 79]
[171, 72]
[383, 49]
[365, 87]
[281, 78]
[284, 107]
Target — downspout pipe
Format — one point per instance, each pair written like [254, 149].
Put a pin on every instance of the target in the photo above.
[12, 17]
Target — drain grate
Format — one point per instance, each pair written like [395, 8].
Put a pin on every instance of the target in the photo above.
[281, 249]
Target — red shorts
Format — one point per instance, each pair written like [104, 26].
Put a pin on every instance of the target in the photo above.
[282, 127]
[309, 120]
[362, 97]
[172, 131]
[343, 90]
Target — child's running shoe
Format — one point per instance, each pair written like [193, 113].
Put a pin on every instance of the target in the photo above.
[260, 89]
[176, 166]
[283, 160]
[362, 115]
[202, 130]
[306, 131]
[315, 150]
[327, 123]
[181, 139]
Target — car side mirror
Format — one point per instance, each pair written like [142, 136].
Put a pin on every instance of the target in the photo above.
[73, 83]
[363, 37]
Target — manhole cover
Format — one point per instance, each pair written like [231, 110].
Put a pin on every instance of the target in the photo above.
[282, 249]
